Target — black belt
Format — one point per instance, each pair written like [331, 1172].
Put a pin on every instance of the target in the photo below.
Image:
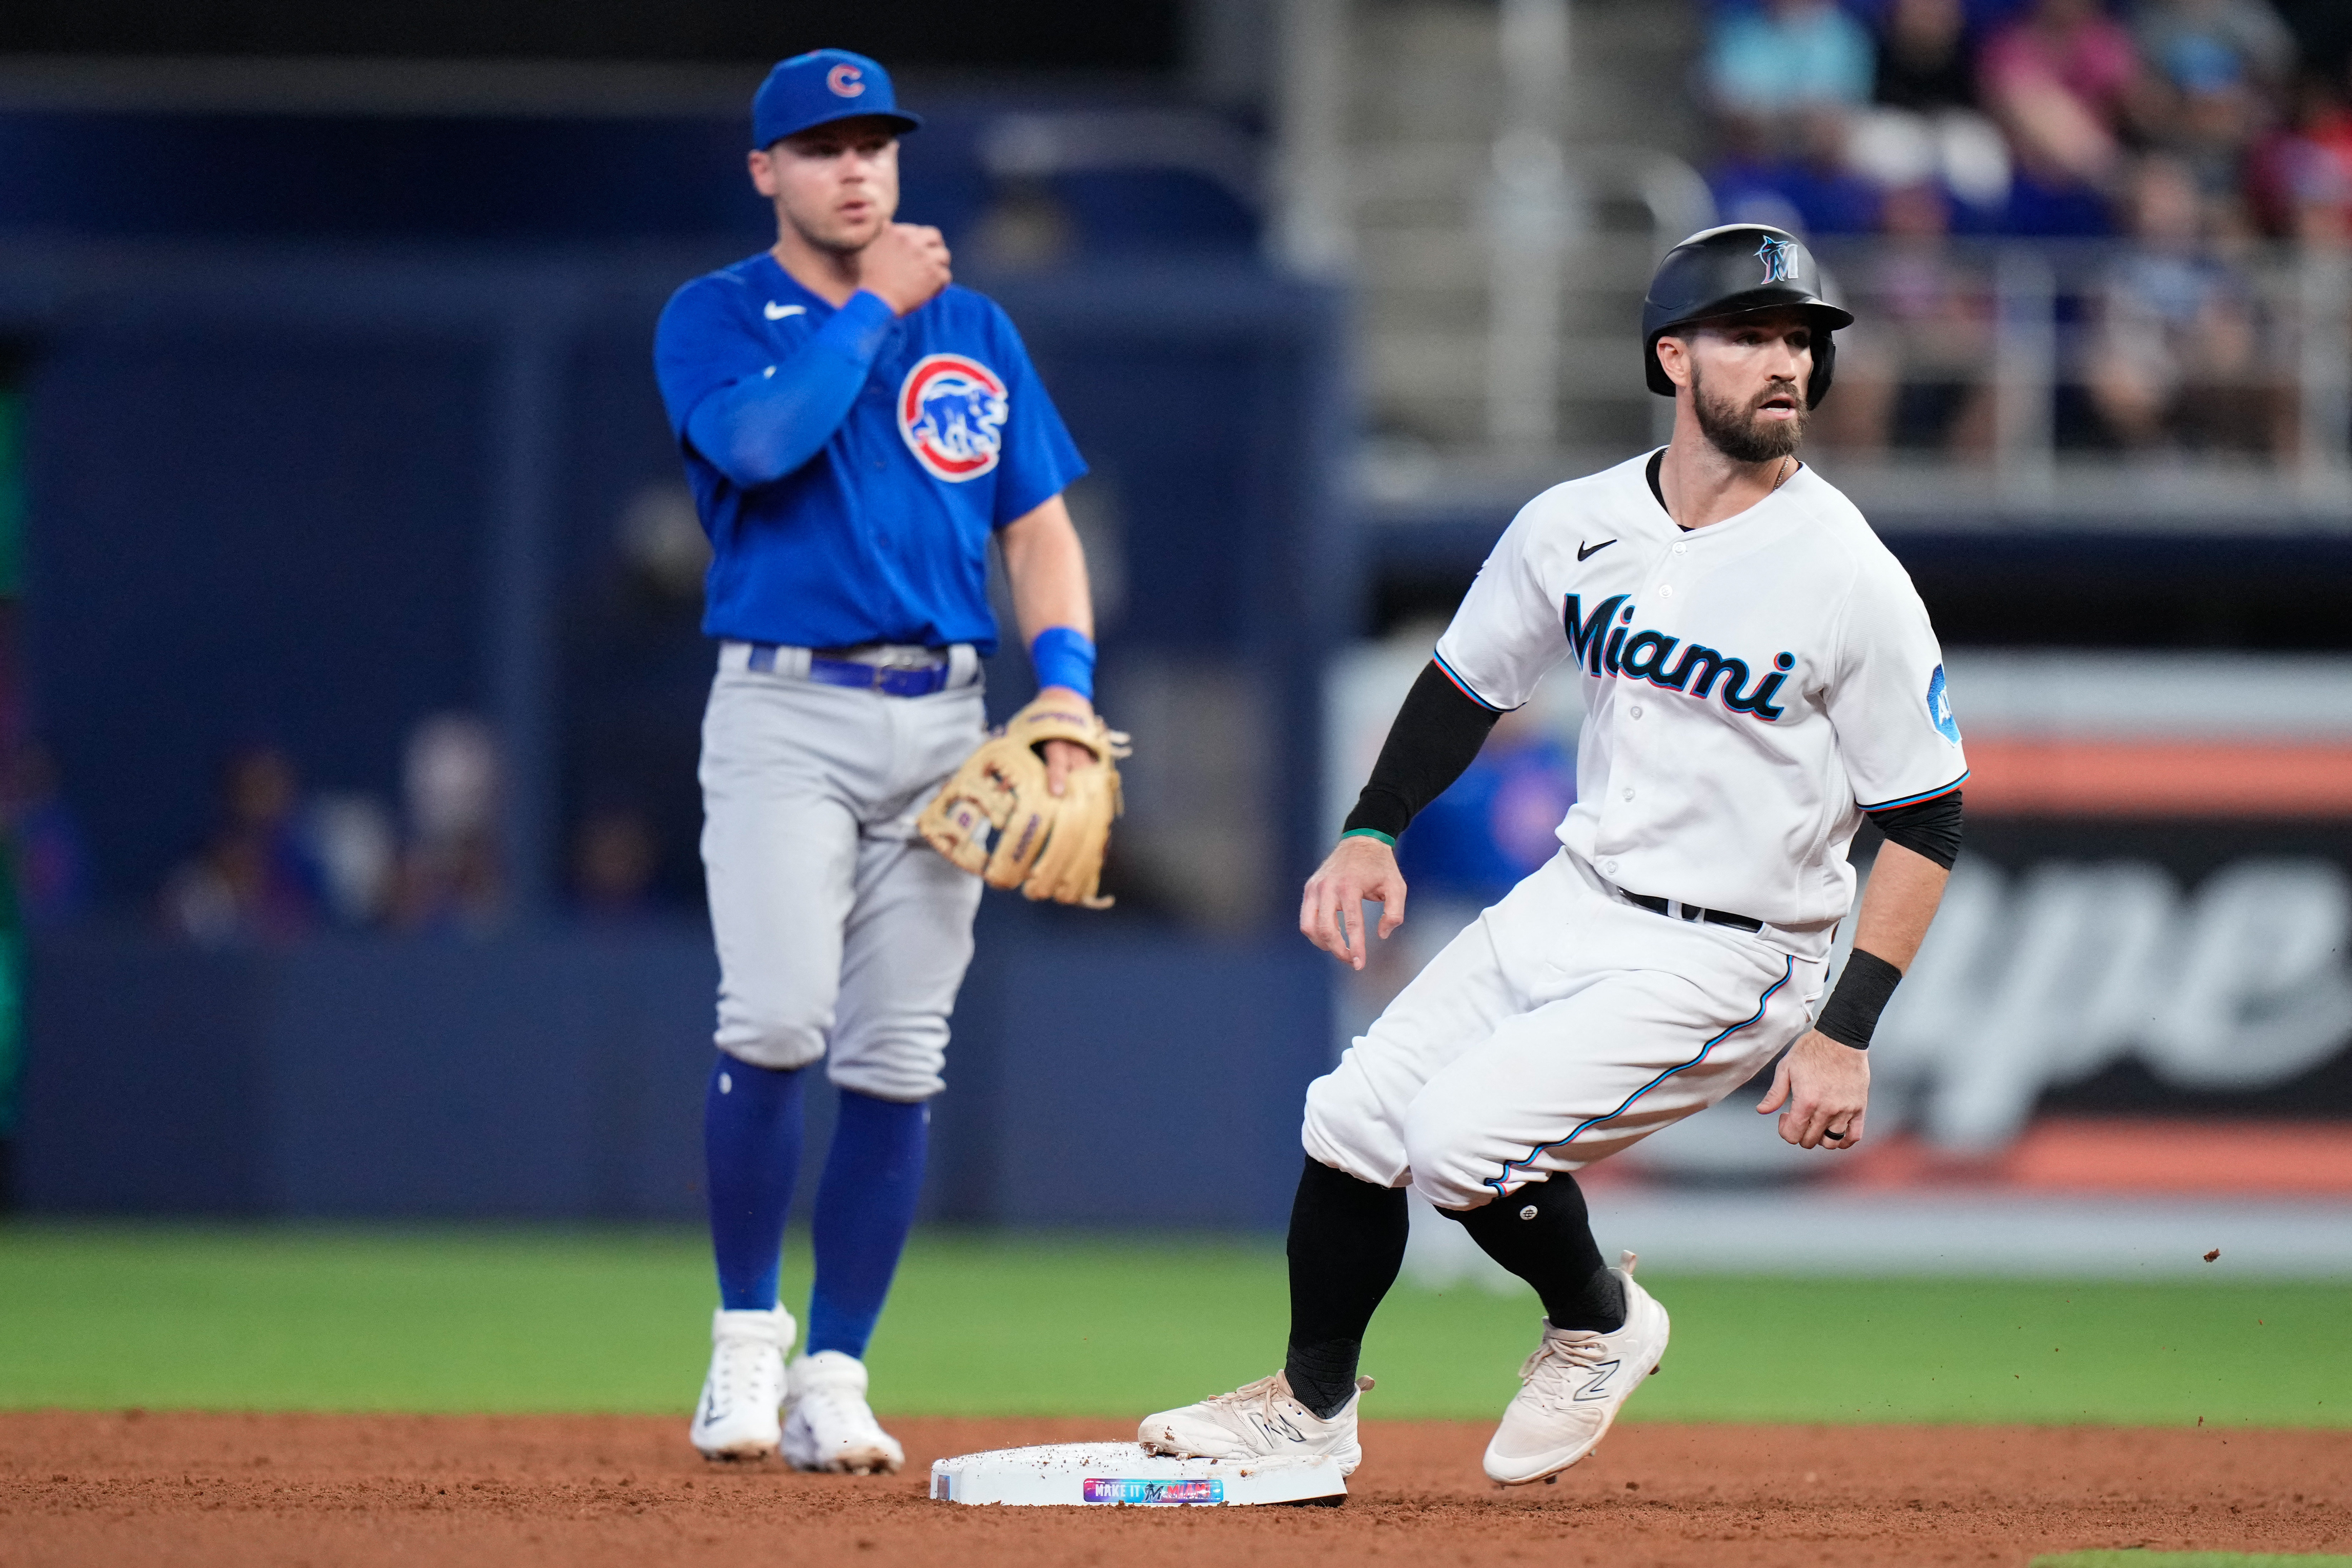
[1672, 911]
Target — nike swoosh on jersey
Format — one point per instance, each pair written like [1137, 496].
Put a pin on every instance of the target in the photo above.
[1583, 549]
[776, 312]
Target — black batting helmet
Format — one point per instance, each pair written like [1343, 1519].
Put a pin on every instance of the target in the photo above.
[1738, 267]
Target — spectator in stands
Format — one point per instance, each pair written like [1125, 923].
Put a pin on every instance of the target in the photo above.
[2174, 361]
[257, 879]
[2217, 66]
[1923, 62]
[1784, 57]
[1786, 79]
[2299, 180]
[49, 856]
[1814, 192]
[358, 850]
[613, 863]
[452, 876]
[2185, 38]
[1916, 372]
[2064, 82]
[1923, 121]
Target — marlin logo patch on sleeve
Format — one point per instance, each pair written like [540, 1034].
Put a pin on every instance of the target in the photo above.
[1939, 708]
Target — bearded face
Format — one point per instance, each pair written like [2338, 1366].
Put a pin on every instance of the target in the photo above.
[1761, 427]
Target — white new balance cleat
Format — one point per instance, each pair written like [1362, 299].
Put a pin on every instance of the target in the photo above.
[737, 1418]
[1260, 1421]
[828, 1425]
[1574, 1386]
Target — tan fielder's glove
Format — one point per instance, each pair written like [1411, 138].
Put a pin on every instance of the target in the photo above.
[1048, 846]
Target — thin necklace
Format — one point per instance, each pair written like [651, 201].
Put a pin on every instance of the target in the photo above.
[1779, 478]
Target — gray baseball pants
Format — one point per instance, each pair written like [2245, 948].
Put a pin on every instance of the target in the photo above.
[840, 933]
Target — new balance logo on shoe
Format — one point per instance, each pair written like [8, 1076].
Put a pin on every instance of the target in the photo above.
[1256, 1421]
[1598, 1387]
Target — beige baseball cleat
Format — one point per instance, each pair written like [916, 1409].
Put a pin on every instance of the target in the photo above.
[1571, 1388]
[1256, 1422]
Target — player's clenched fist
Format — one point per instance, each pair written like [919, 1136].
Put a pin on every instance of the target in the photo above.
[907, 265]
[1331, 915]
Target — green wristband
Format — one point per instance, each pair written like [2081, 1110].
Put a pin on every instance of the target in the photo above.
[1369, 833]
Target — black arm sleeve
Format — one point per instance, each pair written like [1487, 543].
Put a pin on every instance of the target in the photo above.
[1436, 735]
[1931, 828]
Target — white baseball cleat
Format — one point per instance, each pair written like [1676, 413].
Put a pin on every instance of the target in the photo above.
[1574, 1386]
[1257, 1421]
[736, 1417]
[828, 1425]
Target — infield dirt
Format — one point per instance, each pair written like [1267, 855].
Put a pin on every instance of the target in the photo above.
[587, 1491]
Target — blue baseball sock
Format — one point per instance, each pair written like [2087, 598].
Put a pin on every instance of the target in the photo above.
[751, 1152]
[864, 1206]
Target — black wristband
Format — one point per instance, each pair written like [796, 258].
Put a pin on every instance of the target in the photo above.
[1861, 995]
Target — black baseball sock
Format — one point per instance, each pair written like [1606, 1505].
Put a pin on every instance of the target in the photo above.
[1347, 1243]
[1542, 1233]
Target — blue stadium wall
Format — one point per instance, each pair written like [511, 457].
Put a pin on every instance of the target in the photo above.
[308, 495]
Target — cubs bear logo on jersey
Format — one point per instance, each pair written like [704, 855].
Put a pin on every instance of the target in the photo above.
[952, 410]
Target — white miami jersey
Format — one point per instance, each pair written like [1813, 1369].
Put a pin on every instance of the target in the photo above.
[1751, 687]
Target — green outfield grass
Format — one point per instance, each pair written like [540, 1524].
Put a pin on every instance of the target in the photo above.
[527, 1320]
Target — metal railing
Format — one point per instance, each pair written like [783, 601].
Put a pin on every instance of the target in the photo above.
[2028, 360]
[2004, 376]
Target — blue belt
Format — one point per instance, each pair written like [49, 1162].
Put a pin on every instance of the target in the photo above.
[860, 676]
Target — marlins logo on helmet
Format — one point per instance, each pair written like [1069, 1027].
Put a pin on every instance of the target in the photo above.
[1779, 260]
[952, 411]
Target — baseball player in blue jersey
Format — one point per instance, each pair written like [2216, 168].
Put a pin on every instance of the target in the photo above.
[856, 430]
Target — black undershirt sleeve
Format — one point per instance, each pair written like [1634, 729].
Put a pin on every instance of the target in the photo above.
[1931, 828]
[1436, 735]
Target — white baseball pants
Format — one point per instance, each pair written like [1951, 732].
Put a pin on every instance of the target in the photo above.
[1562, 1025]
[836, 925]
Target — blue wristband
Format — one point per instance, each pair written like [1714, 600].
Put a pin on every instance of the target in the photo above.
[1064, 656]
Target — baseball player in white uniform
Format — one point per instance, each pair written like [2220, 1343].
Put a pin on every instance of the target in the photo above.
[1759, 675]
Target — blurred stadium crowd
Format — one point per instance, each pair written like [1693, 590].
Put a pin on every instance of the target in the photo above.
[283, 862]
[2049, 118]
[2193, 135]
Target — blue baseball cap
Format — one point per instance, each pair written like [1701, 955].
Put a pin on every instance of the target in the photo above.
[821, 86]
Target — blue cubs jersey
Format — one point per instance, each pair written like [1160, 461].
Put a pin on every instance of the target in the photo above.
[883, 535]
